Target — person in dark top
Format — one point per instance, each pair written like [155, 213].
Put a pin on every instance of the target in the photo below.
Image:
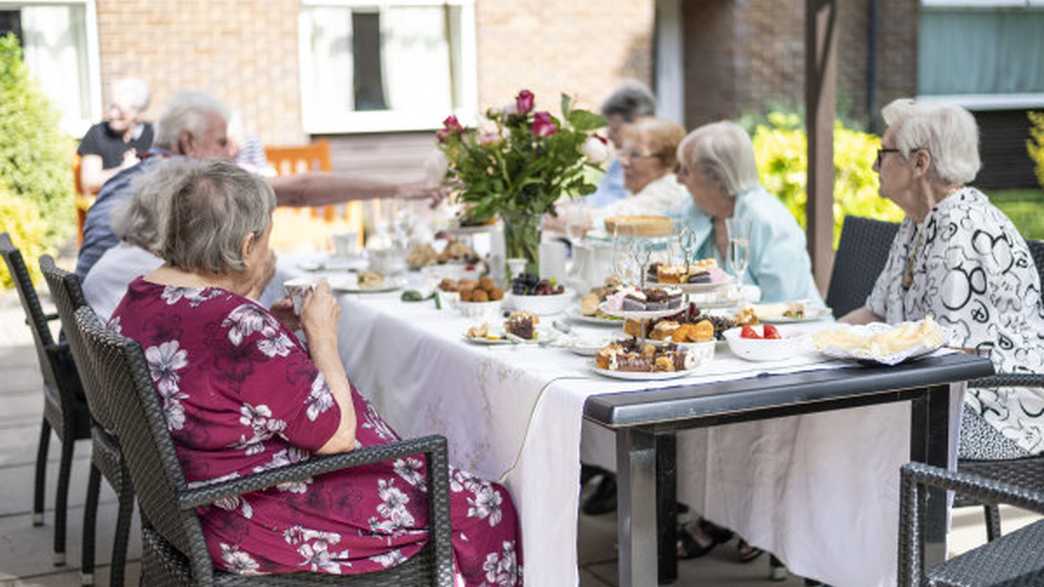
[114, 144]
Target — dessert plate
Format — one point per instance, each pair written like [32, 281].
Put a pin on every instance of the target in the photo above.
[698, 287]
[334, 264]
[574, 314]
[483, 341]
[642, 375]
[350, 284]
[773, 314]
[627, 315]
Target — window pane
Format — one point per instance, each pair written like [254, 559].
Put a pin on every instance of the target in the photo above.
[11, 22]
[981, 52]
[55, 41]
[399, 59]
[366, 49]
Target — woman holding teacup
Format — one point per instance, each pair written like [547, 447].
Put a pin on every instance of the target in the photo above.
[241, 394]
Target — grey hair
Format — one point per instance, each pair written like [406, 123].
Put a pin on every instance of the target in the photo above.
[143, 220]
[186, 111]
[631, 100]
[722, 151]
[214, 205]
[948, 132]
[131, 92]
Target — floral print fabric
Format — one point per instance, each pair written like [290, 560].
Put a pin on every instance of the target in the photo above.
[975, 275]
[240, 395]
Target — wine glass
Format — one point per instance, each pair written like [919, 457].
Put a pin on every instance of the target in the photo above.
[739, 247]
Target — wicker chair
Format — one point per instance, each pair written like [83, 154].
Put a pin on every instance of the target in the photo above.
[1016, 559]
[1024, 472]
[860, 258]
[174, 550]
[65, 410]
[106, 458]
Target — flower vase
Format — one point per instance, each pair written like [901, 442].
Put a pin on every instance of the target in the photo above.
[522, 239]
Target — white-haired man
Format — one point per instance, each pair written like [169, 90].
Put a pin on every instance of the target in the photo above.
[113, 144]
[195, 125]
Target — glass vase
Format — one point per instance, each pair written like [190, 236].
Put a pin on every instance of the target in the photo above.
[522, 239]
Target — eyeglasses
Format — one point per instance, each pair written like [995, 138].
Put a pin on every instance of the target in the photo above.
[635, 155]
[881, 152]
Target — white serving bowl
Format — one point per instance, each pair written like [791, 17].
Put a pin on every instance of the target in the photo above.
[543, 305]
[793, 343]
[703, 351]
[484, 310]
[456, 271]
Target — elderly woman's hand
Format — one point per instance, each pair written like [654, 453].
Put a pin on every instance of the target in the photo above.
[319, 315]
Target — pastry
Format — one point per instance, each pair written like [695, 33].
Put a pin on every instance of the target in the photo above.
[369, 279]
[671, 274]
[421, 256]
[664, 329]
[795, 311]
[629, 355]
[522, 325]
[653, 226]
[589, 304]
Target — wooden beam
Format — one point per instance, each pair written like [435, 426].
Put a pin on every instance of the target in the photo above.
[820, 105]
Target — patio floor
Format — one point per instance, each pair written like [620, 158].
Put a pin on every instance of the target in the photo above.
[25, 551]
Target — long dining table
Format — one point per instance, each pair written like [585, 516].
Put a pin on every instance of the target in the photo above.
[820, 490]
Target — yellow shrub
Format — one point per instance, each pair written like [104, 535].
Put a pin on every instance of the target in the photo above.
[1035, 145]
[781, 149]
[21, 218]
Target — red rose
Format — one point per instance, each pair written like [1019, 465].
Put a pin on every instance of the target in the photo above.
[543, 126]
[524, 102]
[452, 125]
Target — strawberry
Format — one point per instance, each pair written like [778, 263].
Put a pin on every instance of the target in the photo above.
[771, 332]
[749, 332]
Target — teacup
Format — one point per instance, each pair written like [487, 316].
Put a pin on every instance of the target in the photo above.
[297, 290]
[346, 244]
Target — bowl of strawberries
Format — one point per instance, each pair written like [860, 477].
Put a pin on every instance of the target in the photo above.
[765, 342]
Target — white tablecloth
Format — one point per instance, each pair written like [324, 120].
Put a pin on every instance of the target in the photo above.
[820, 491]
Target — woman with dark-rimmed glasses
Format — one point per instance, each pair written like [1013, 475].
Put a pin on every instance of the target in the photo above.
[960, 259]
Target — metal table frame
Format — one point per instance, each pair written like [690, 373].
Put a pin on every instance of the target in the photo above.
[642, 420]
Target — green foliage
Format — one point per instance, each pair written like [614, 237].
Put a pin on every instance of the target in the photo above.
[35, 158]
[781, 151]
[1023, 208]
[21, 218]
[1035, 144]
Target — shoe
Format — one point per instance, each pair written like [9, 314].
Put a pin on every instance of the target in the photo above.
[746, 553]
[603, 499]
[701, 539]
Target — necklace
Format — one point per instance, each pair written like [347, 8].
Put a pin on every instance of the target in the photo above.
[908, 271]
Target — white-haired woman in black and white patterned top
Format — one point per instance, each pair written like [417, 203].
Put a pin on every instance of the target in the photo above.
[960, 259]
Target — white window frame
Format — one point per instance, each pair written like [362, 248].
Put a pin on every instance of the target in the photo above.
[389, 121]
[983, 102]
[77, 128]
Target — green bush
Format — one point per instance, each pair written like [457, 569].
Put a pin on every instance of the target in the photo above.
[21, 218]
[35, 158]
[1035, 145]
[781, 149]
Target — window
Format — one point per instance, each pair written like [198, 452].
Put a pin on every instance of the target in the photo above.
[60, 47]
[985, 54]
[386, 65]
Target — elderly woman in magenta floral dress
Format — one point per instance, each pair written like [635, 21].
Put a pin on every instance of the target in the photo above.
[960, 259]
[242, 395]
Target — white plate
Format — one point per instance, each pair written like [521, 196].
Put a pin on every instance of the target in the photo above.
[350, 284]
[544, 336]
[698, 287]
[773, 314]
[640, 315]
[486, 341]
[588, 346]
[710, 301]
[574, 314]
[642, 375]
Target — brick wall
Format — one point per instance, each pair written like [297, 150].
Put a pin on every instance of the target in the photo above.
[242, 51]
[744, 56]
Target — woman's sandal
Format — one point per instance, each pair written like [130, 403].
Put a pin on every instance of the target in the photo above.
[747, 553]
[688, 545]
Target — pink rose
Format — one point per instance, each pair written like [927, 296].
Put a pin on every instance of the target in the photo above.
[524, 102]
[452, 125]
[543, 126]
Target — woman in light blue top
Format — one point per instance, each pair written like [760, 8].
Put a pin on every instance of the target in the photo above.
[716, 164]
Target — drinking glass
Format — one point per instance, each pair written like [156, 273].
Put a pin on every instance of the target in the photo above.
[739, 247]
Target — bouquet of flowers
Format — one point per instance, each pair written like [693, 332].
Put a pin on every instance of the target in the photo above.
[518, 163]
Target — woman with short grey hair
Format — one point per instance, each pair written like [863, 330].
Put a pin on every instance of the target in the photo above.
[241, 394]
[958, 258]
[717, 166]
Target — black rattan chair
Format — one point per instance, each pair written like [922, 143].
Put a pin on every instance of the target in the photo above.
[1014, 560]
[65, 410]
[860, 258]
[106, 458]
[1024, 472]
[174, 550]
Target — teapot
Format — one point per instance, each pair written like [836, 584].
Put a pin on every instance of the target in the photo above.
[592, 264]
